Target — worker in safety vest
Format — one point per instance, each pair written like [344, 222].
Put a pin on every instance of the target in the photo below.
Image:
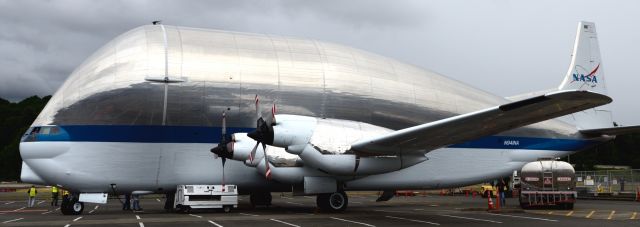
[54, 196]
[32, 192]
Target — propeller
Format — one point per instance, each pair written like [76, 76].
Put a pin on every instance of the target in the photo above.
[263, 135]
[223, 150]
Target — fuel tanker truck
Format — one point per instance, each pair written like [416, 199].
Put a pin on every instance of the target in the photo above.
[547, 183]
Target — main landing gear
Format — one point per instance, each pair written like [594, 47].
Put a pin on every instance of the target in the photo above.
[333, 202]
[71, 206]
[260, 199]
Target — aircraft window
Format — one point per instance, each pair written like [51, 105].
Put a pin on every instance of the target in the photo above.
[45, 130]
[54, 130]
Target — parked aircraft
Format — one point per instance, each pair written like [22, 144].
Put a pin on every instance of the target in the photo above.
[145, 112]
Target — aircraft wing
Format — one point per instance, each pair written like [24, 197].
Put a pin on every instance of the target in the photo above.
[612, 131]
[426, 137]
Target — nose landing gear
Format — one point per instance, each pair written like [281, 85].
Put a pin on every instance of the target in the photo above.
[71, 206]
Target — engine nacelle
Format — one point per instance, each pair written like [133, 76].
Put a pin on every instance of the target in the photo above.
[325, 145]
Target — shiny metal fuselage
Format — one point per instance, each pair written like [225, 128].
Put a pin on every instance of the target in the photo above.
[108, 96]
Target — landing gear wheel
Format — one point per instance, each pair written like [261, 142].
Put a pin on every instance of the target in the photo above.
[71, 207]
[333, 202]
[260, 198]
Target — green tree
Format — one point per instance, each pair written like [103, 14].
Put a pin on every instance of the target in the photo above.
[15, 119]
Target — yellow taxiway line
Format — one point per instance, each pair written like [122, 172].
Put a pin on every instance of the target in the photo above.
[590, 213]
[569, 214]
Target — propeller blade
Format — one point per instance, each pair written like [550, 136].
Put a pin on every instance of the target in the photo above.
[258, 111]
[267, 173]
[224, 160]
[252, 155]
[273, 114]
[224, 125]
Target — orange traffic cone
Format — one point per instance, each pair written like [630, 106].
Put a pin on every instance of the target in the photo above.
[490, 202]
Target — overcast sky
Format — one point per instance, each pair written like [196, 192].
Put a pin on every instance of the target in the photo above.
[506, 47]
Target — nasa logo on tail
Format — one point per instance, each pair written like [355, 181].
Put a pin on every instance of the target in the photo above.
[590, 79]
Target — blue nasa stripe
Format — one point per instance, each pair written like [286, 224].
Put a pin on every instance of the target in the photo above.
[139, 133]
[526, 143]
[200, 134]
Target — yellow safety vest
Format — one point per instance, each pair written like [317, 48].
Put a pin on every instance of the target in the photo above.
[54, 189]
[32, 192]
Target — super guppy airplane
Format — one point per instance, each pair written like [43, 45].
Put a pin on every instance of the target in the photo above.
[143, 113]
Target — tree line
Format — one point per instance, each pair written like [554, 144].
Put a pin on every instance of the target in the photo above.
[15, 119]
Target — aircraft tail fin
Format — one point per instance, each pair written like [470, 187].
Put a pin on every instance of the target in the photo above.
[586, 73]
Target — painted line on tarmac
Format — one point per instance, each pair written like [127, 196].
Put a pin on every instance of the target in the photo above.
[356, 202]
[550, 212]
[213, 223]
[13, 220]
[475, 219]
[158, 200]
[42, 201]
[48, 212]
[255, 215]
[78, 218]
[633, 215]
[524, 217]
[413, 220]
[611, 215]
[94, 209]
[67, 225]
[590, 214]
[138, 217]
[569, 214]
[294, 203]
[7, 203]
[19, 208]
[141, 224]
[284, 222]
[193, 215]
[355, 222]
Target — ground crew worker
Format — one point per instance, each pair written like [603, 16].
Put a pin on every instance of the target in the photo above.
[54, 196]
[127, 202]
[501, 188]
[32, 192]
[136, 202]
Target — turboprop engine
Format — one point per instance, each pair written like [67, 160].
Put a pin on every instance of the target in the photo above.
[325, 144]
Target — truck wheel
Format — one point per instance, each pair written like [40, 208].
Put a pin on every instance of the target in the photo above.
[524, 205]
[226, 209]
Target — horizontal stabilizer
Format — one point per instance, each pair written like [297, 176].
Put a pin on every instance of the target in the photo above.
[613, 131]
[429, 136]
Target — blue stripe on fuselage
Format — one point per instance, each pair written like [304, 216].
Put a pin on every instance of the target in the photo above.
[201, 134]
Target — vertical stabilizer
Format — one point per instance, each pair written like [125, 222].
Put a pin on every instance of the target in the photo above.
[586, 73]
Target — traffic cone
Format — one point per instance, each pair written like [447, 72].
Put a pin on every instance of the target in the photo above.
[490, 202]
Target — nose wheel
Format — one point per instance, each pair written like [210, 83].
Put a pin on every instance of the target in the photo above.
[333, 202]
[71, 206]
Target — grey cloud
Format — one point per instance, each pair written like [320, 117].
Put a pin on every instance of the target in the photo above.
[506, 47]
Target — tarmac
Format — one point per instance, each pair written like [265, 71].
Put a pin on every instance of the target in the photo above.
[429, 210]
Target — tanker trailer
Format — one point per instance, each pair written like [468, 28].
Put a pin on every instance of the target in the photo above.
[547, 183]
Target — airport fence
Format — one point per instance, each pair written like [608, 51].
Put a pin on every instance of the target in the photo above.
[608, 181]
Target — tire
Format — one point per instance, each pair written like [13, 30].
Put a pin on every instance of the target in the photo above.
[71, 207]
[260, 198]
[568, 206]
[226, 209]
[333, 202]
